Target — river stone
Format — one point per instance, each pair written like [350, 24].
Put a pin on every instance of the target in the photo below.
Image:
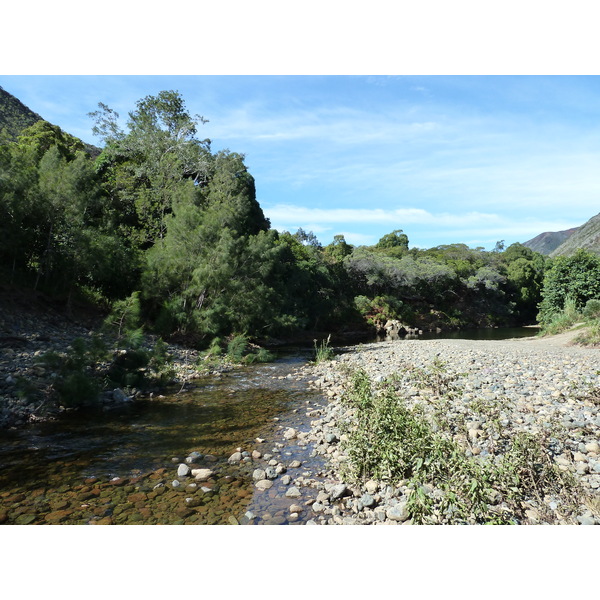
[258, 474]
[236, 457]
[293, 492]
[119, 395]
[337, 491]
[398, 512]
[371, 486]
[289, 433]
[593, 447]
[202, 474]
[585, 520]
[367, 500]
[271, 473]
[286, 480]
[264, 484]
[295, 464]
[296, 508]
[183, 470]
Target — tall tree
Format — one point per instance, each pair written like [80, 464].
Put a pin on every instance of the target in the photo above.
[146, 165]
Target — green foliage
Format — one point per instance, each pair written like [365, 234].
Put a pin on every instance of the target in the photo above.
[162, 221]
[393, 244]
[389, 440]
[236, 347]
[322, 352]
[124, 316]
[380, 309]
[78, 381]
[563, 320]
[591, 309]
[576, 276]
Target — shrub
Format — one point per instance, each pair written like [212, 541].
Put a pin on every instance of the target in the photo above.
[389, 440]
[236, 347]
[592, 309]
[563, 320]
[322, 352]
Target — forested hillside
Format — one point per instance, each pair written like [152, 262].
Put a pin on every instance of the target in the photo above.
[15, 117]
[162, 220]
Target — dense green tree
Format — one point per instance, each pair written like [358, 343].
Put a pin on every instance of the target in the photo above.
[393, 244]
[576, 277]
[146, 165]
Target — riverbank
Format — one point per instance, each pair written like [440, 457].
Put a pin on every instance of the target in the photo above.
[500, 391]
[31, 326]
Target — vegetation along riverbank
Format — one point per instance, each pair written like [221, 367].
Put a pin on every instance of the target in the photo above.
[462, 431]
[131, 270]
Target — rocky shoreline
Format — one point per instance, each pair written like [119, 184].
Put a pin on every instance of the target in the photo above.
[28, 332]
[536, 385]
[545, 387]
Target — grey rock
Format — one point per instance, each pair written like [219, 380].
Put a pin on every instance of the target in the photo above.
[367, 500]
[264, 484]
[585, 520]
[338, 491]
[271, 473]
[119, 395]
[183, 470]
[236, 457]
[293, 492]
[398, 512]
[258, 474]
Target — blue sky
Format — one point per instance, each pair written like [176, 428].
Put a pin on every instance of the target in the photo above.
[447, 159]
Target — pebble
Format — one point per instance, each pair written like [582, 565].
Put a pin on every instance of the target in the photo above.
[293, 492]
[183, 470]
[526, 385]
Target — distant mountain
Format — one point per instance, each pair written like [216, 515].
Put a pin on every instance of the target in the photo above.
[587, 237]
[547, 242]
[15, 116]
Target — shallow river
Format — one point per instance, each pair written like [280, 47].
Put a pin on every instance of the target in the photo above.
[118, 466]
[67, 472]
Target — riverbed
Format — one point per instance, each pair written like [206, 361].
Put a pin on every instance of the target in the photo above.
[120, 465]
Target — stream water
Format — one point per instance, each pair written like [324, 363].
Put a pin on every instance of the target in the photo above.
[105, 466]
[118, 466]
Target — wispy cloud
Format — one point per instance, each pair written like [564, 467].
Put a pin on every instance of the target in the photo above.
[361, 226]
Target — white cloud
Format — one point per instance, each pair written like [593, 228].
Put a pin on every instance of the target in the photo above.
[379, 216]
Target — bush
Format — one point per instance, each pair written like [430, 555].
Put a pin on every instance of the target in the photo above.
[576, 277]
[563, 320]
[322, 352]
[592, 309]
[236, 347]
[389, 440]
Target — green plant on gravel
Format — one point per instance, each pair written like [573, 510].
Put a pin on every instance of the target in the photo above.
[388, 440]
[591, 310]
[563, 320]
[323, 352]
[78, 373]
[437, 378]
[591, 335]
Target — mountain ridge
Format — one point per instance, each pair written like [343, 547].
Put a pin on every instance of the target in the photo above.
[16, 116]
[547, 242]
[586, 237]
